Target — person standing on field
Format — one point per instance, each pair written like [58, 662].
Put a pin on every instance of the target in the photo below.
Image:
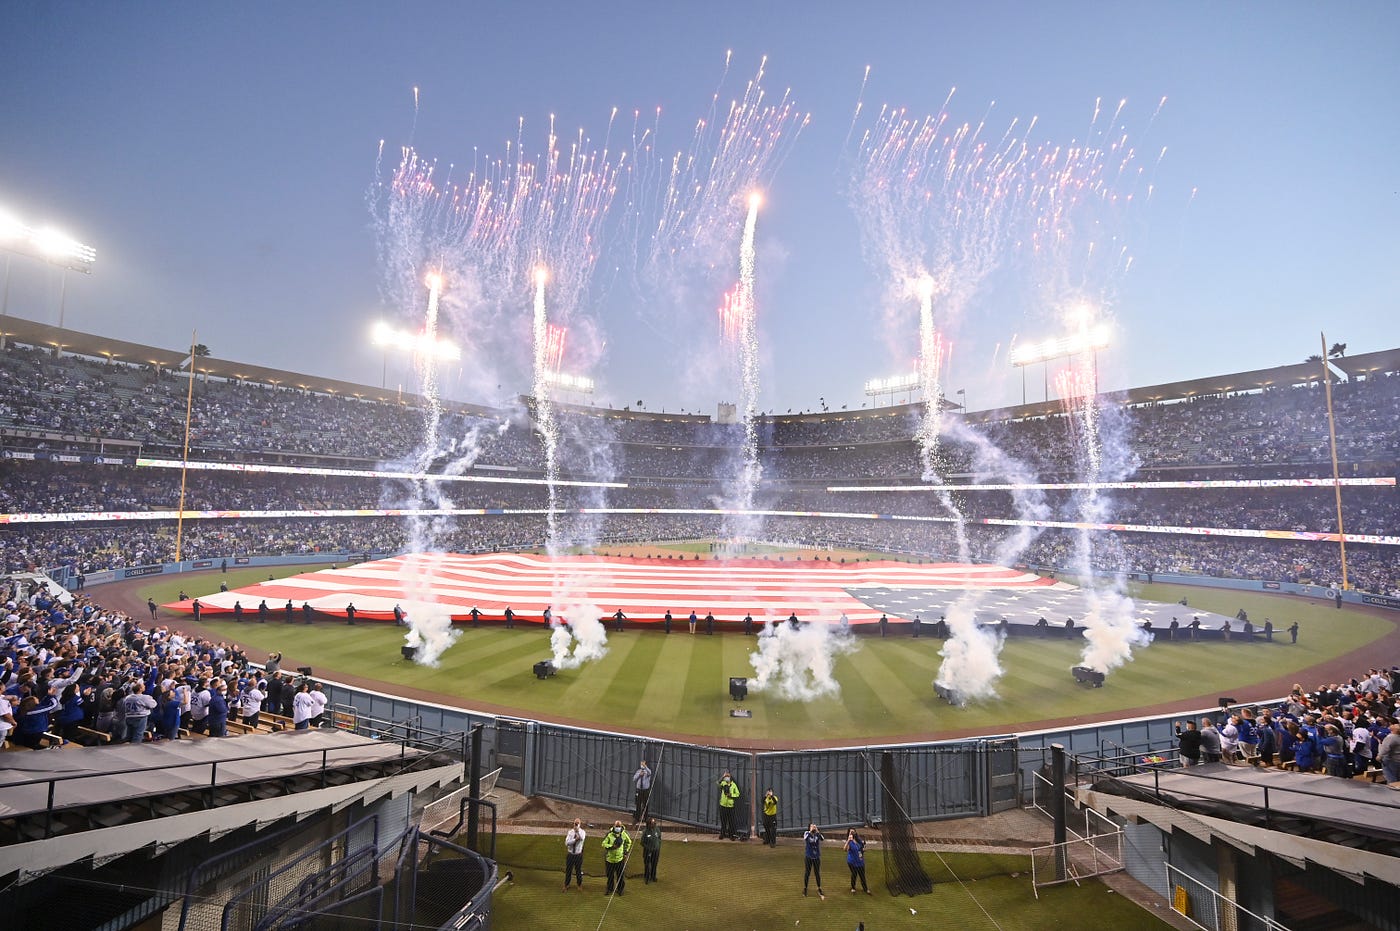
[651, 850]
[770, 819]
[573, 853]
[617, 844]
[728, 794]
[812, 858]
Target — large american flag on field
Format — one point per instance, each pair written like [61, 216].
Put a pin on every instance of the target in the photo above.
[643, 589]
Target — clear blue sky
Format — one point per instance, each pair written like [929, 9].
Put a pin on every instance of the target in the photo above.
[218, 157]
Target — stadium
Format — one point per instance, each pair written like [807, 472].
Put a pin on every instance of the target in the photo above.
[1239, 526]
[993, 530]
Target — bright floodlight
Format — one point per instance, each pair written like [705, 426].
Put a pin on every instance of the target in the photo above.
[1086, 340]
[580, 384]
[418, 343]
[755, 200]
[47, 244]
[893, 384]
[925, 286]
[541, 276]
[434, 281]
[11, 230]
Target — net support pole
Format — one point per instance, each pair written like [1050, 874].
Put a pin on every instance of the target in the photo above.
[1057, 806]
[1336, 476]
[474, 790]
[185, 457]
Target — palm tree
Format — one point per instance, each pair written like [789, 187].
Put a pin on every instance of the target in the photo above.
[1313, 358]
[202, 350]
[1338, 350]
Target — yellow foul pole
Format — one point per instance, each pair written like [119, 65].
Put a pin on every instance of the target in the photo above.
[185, 462]
[1336, 476]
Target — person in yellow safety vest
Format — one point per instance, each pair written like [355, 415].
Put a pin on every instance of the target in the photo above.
[617, 844]
[770, 819]
[728, 792]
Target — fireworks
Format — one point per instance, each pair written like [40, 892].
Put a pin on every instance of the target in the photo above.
[688, 205]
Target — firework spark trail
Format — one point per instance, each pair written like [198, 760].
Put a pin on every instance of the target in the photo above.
[482, 233]
[430, 627]
[1083, 193]
[745, 308]
[545, 424]
[563, 232]
[935, 206]
[686, 203]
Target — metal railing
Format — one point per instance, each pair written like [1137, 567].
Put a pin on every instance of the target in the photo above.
[413, 752]
[1091, 769]
[1208, 909]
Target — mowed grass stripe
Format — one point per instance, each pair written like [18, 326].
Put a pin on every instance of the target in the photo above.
[880, 686]
[665, 689]
[635, 666]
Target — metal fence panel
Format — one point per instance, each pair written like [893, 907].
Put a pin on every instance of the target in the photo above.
[940, 780]
[592, 768]
[829, 787]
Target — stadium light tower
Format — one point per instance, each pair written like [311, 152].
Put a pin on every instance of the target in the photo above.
[1087, 338]
[46, 245]
[387, 336]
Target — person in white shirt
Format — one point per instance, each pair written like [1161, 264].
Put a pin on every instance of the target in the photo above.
[303, 708]
[319, 697]
[250, 703]
[1230, 739]
[199, 707]
[7, 719]
[573, 853]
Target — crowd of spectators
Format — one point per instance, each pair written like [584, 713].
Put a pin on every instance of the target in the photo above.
[72, 395]
[675, 463]
[76, 671]
[1342, 729]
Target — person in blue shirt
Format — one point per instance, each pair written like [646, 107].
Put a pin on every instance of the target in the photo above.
[217, 720]
[71, 713]
[170, 715]
[33, 721]
[812, 858]
[855, 859]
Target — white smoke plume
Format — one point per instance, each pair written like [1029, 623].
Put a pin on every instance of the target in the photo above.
[1111, 628]
[971, 657]
[797, 663]
[430, 632]
[579, 638]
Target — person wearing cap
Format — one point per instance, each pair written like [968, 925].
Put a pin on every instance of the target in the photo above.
[217, 718]
[617, 845]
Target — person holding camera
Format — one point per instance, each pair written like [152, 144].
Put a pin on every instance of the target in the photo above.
[728, 795]
[855, 859]
[812, 858]
[617, 845]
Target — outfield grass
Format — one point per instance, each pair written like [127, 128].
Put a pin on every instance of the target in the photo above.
[734, 887]
[649, 681]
